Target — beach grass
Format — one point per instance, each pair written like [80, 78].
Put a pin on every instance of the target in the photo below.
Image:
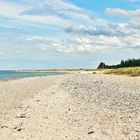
[132, 71]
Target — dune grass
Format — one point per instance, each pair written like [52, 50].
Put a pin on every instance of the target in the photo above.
[132, 71]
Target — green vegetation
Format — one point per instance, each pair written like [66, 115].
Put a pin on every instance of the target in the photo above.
[126, 67]
[132, 71]
[124, 63]
[94, 72]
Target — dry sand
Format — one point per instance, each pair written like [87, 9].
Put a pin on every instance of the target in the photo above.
[70, 107]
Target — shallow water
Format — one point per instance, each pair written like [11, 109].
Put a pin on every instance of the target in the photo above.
[6, 75]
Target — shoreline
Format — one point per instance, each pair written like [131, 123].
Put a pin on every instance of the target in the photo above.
[67, 71]
[60, 73]
[70, 106]
[30, 76]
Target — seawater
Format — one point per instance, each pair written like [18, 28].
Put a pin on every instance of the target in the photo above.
[7, 75]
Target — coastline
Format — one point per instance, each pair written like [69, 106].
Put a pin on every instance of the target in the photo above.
[11, 75]
[70, 106]
[66, 71]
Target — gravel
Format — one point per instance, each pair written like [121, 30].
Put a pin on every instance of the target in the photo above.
[71, 107]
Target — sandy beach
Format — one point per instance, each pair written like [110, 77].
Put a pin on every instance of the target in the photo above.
[70, 107]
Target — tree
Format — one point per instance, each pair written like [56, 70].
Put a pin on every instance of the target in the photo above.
[102, 65]
[124, 63]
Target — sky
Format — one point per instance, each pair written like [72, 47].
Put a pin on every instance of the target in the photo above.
[42, 34]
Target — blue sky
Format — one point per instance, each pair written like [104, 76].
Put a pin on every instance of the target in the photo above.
[41, 34]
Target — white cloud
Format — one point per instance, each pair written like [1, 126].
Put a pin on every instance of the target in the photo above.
[77, 37]
[9, 9]
[35, 37]
[108, 29]
[58, 13]
[83, 39]
[88, 44]
[105, 37]
[61, 47]
[135, 23]
[123, 13]
[13, 11]
[133, 0]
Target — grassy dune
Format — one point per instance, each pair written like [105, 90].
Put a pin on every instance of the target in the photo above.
[132, 71]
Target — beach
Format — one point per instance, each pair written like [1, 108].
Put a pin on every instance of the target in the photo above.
[74, 106]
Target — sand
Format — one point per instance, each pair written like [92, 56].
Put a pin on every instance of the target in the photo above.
[70, 107]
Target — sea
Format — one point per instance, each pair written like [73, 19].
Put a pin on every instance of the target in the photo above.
[12, 74]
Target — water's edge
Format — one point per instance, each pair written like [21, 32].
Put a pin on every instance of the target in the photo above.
[10, 75]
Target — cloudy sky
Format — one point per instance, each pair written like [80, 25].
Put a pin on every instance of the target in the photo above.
[39, 34]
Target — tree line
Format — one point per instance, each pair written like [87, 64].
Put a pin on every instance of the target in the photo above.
[124, 63]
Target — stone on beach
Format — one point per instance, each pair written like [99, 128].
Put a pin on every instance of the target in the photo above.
[71, 106]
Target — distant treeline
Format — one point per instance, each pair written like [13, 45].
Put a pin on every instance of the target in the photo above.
[124, 63]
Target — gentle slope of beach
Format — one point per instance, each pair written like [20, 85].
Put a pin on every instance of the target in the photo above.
[70, 107]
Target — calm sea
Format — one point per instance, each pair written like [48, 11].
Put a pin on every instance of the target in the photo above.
[6, 75]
